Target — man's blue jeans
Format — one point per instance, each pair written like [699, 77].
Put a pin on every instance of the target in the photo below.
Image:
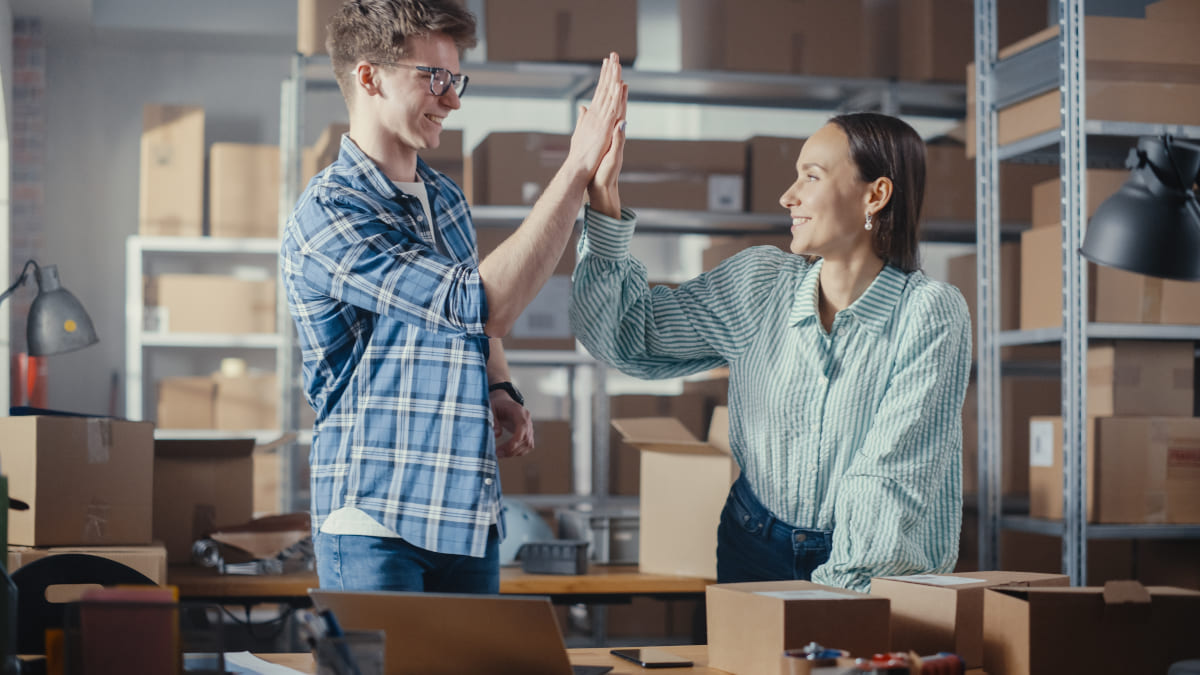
[754, 545]
[357, 563]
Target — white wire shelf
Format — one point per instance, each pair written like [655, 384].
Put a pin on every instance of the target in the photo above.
[212, 340]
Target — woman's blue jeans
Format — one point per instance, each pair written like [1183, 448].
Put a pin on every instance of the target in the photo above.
[754, 545]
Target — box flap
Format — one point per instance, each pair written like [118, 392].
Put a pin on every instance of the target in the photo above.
[1125, 592]
[204, 448]
[667, 434]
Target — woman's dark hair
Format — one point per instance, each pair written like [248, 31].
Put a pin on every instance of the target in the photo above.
[883, 146]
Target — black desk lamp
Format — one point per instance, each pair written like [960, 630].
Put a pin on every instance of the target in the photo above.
[1151, 225]
[57, 322]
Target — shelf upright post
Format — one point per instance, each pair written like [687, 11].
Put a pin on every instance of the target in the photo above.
[987, 261]
[134, 326]
[291, 142]
[1073, 164]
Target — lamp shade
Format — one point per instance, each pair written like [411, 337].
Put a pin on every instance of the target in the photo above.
[1151, 225]
[57, 321]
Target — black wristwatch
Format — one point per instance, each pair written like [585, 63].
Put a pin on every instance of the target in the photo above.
[509, 389]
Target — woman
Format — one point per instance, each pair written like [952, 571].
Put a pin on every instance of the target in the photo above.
[848, 366]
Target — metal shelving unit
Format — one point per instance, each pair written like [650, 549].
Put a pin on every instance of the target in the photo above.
[572, 83]
[1079, 144]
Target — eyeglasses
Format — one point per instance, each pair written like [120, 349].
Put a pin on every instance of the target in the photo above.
[440, 79]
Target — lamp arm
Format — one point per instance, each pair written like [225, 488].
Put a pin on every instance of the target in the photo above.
[20, 279]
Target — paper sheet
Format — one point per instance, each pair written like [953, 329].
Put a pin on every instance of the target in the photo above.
[245, 663]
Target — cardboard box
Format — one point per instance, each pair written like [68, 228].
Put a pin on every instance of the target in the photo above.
[1021, 398]
[312, 17]
[199, 486]
[721, 248]
[149, 560]
[689, 175]
[1168, 562]
[1179, 11]
[447, 157]
[1047, 195]
[560, 30]
[171, 179]
[210, 303]
[936, 35]
[934, 613]
[513, 167]
[268, 469]
[1137, 70]
[950, 186]
[770, 171]
[694, 411]
[751, 624]
[87, 480]
[1139, 469]
[324, 152]
[961, 271]
[243, 190]
[1114, 296]
[684, 480]
[1123, 627]
[248, 401]
[544, 324]
[548, 469]
[1140, 377]
[853, 38]
[186, 402]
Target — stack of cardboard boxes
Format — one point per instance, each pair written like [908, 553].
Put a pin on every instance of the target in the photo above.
[105, 487]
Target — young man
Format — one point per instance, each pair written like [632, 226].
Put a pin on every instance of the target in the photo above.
[399, 322]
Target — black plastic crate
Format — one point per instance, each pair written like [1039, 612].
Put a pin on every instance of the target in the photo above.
[563, 556]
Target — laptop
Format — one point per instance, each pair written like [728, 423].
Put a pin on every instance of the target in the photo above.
[436, 633]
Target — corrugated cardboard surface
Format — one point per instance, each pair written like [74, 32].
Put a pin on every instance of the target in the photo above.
[950, 186]
[1140, 470]
[722, 248]
[243, 190]
[544, 323]
[1182, 11]
[513, 168]
[546, 470]
[87, 481]
[200, 485]
[936, 35]
[747, 630]
[311, 19]
[246, 402]
[1121, 628]
[1021, 398]
[560, 30]
[149, 560]
[212, 303]
[171, 179]
[186, 402]
[691, 175]
[770, 170]
[1114, 296]
[941, 613]
[1140, 377]
[684, 480]
[1047, 195]
[853, 38]
[693, 411]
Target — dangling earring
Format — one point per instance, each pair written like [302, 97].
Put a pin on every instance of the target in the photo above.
[867, 225]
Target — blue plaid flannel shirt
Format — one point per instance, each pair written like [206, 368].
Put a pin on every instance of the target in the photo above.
[390, 314]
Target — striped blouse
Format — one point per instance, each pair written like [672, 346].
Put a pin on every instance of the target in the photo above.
[857, 429]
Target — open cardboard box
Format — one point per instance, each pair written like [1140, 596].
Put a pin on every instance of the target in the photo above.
[684, 485]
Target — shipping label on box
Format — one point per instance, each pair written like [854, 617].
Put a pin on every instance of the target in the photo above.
[87, 481]
[934, 613]
[751, 624]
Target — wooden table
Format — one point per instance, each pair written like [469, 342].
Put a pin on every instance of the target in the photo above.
[590, 656]
[602, 582]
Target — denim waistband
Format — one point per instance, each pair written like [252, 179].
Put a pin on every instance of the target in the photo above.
[759, 518]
